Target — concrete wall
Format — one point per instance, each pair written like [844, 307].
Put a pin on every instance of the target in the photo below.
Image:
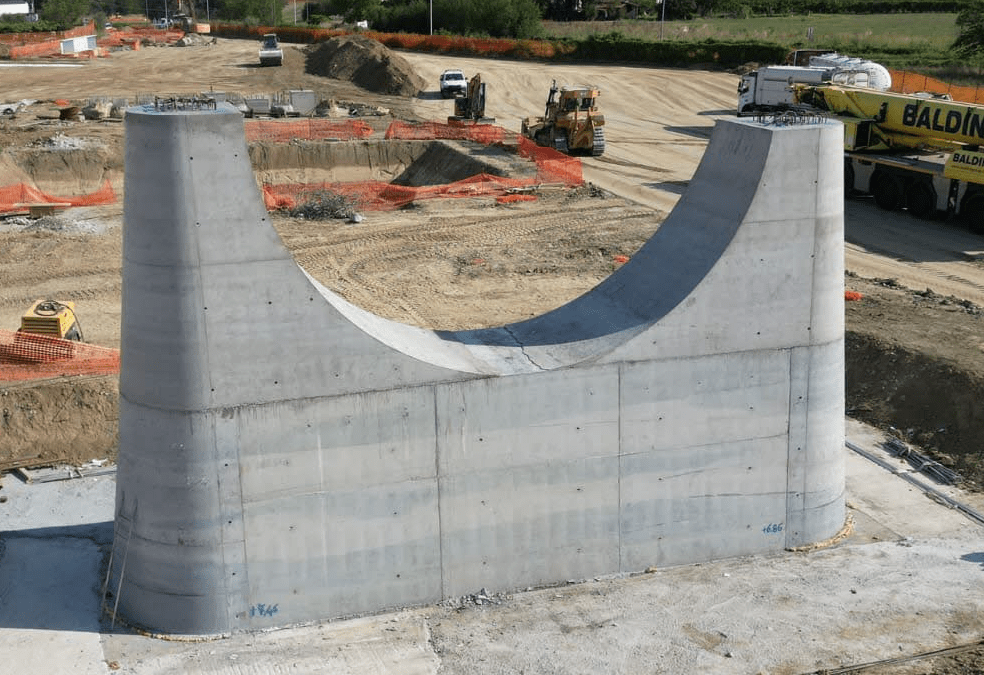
[286, 457]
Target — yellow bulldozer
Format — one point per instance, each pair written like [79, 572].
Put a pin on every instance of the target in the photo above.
[571, 123]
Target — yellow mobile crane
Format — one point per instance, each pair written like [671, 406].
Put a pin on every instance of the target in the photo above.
[913, 151]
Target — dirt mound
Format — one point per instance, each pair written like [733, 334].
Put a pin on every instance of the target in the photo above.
[366, 63]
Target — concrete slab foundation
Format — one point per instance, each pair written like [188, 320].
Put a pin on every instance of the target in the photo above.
[288, 457]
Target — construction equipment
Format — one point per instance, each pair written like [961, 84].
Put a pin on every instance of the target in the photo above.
[915, 151]
[53, 318]
[270, 52]
[471, 106]
[771, 88]
[185, 17]
[453, 83]
[571, 122]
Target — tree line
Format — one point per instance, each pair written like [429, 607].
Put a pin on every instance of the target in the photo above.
[496, 18]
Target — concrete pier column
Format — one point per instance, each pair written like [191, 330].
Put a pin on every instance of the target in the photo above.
[286, 456]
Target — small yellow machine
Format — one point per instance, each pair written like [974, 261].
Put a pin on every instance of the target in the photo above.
[53, 318]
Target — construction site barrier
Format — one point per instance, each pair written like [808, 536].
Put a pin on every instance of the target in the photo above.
[28, 356]
[904, 82]
[128, 38]
[552, 167]
[46, 36]
[486, 134]
[20, 196]
[379, 196]
[277, 131]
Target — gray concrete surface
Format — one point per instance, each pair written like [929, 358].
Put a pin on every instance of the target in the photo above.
[907, 580]
[287, 457]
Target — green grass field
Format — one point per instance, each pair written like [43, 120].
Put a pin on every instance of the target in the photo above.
[917, 42]
[873, 31]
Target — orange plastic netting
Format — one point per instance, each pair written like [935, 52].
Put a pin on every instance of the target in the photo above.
[20, 196]
[379, 196]
[283, 131]
[552, 167]
[486, 134]
[27, 356]
[904, 82]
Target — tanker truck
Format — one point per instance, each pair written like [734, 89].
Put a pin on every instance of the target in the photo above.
[771, 88]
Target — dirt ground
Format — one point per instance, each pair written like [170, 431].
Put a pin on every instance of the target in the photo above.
[914, 340]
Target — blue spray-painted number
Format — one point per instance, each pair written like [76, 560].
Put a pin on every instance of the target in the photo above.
[264, 610]
[772, 528]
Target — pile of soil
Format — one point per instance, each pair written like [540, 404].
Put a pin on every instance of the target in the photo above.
[366, 63]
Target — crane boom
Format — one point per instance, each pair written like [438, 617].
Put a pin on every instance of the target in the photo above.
[910, 151]
[931, 122]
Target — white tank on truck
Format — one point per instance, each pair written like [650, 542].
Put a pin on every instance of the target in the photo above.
[771, 88]
[878, 76]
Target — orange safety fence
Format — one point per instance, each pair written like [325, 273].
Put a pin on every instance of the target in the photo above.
[28, 356]
[129, 37]
[20, 196]
[379, 196]
[904, 82]
[552, 167]
[45, 36]
[306, 129]
[486, 134]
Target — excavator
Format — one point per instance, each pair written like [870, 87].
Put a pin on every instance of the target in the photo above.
[921, 152]
[571, 122]
[471, 106]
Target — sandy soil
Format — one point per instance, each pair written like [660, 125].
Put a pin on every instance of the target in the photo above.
[484, 264]
[914, 357]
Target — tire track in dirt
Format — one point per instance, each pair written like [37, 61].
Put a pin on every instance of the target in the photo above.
[390, 269]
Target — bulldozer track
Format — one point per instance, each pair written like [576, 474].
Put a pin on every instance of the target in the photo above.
[378, 269]
[474, 231]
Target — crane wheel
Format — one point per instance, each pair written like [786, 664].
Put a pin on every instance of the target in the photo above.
[921, 199]
[887, 190]
[848, 179]
[972, 212]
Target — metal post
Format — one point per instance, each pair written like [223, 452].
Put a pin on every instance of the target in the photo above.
[432, 16]
[662, 17]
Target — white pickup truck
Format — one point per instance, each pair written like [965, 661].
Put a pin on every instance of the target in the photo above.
[270, 52]
[453, 84]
